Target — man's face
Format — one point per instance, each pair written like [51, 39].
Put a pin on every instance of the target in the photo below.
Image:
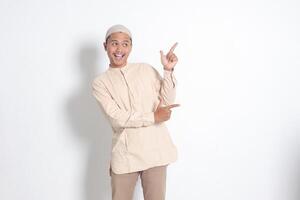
[118, 48]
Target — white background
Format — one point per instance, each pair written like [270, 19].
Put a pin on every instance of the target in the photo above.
[237, 130]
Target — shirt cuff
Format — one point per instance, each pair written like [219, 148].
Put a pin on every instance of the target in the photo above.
[168, 72]
[149, 118]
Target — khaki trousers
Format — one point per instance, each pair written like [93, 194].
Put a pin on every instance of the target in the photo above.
[153, 183]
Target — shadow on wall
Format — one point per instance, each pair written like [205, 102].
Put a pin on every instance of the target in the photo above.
[297, 188]
[91, 127]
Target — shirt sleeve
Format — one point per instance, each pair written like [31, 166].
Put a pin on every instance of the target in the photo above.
[119, 118]
[166, 86]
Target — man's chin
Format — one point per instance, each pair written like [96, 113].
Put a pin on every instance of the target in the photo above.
[118, 64]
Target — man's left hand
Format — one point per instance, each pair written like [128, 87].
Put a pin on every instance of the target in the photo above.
[170, 60]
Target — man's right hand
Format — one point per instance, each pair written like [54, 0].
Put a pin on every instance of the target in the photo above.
[163, 113]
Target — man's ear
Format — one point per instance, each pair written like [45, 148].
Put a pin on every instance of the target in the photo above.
[105, 47]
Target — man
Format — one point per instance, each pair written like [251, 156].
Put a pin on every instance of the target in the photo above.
[137, 101]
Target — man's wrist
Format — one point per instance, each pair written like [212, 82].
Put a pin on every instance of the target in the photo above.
[169, 69]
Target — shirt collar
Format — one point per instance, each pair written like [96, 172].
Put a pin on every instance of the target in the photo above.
[123, 69]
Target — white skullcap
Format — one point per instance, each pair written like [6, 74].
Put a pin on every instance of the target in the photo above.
[117, 29]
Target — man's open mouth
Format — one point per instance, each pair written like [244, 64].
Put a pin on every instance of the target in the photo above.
[119, 56]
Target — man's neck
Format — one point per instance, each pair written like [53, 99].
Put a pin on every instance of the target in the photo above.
[113, 66]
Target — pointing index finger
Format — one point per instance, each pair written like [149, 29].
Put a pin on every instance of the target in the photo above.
[173, 106]
[173, 47]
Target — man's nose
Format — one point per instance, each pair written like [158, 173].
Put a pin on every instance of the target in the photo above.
[119, 47]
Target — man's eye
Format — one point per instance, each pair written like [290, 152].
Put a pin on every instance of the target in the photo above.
[125, 45]
[114, 43]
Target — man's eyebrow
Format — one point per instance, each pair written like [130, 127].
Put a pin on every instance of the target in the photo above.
[120, 41]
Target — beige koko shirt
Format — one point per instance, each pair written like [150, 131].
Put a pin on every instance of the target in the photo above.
[129, 96]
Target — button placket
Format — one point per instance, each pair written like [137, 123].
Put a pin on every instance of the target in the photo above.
[130, 95]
